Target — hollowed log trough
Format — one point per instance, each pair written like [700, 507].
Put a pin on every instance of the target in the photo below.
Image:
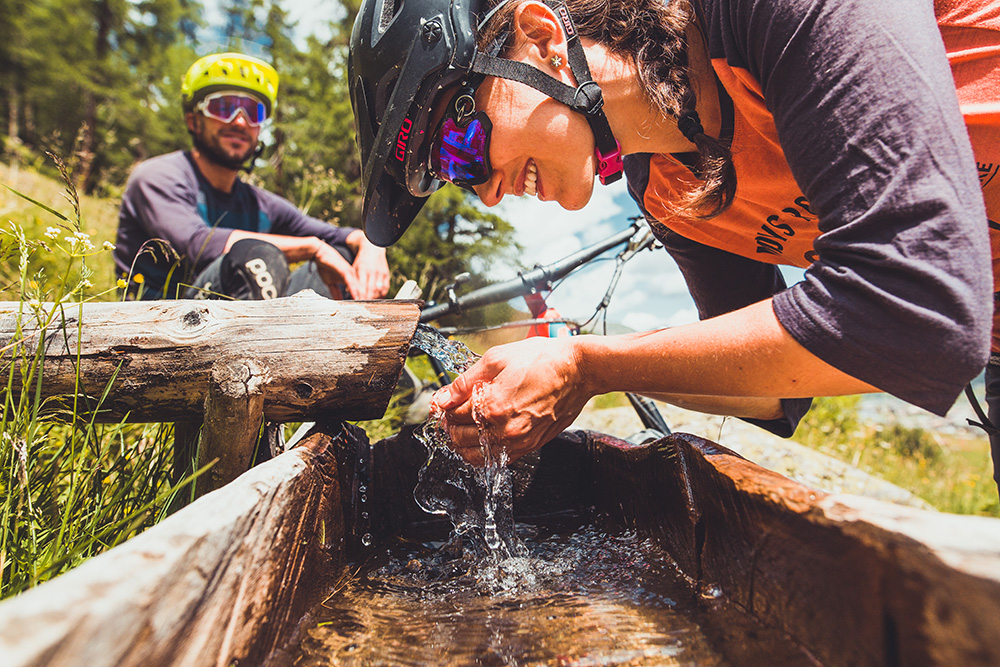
[848, 581]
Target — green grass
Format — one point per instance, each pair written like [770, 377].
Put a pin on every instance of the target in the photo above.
[952, 473]
[69, 488]
[97, 218]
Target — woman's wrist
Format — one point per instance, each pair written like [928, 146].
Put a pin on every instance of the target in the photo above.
[585, 350]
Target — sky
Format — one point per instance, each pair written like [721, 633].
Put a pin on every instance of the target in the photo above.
[650, 293]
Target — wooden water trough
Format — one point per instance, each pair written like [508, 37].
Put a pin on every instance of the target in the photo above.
[226, 580]
[847, 581]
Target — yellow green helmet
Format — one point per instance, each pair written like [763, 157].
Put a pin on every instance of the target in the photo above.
[229, 71]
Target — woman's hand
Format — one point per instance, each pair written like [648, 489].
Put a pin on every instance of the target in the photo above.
[532, 391]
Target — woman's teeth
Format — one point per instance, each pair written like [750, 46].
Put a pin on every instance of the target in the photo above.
[530, 178]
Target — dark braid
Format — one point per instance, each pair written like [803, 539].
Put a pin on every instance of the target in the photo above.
[652, 34]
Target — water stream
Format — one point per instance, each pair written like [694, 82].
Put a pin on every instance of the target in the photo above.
[476, 500]
[577, 596]
[558, 591]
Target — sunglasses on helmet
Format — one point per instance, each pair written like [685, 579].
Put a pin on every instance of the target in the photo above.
[460, 149]
[226, 106]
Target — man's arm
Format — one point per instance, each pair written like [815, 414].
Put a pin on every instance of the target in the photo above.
[307, 238]
[367, 278]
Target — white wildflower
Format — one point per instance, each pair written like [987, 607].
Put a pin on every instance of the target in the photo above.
[52, 232]
[84, 239]
[108, 245]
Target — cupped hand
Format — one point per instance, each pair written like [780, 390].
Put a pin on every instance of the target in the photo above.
[531, 392]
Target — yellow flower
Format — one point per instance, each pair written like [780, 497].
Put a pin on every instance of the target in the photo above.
[121, 283]
[138, 279]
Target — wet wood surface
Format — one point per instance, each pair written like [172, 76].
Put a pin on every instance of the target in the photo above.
[325, 359]
[221, 582]
[855, 581]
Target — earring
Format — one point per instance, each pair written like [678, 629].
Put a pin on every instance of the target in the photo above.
[556, 61]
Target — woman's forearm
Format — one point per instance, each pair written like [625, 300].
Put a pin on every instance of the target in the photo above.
[746, 353]
[731, 406]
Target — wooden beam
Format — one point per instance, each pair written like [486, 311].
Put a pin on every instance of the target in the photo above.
[234, 413]
[327, 360]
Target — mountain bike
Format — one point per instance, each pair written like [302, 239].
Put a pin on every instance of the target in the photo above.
[532, 285]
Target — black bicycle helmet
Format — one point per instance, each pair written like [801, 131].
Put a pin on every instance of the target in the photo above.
[404, 55]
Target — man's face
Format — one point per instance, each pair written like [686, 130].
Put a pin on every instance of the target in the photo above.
[229, 145]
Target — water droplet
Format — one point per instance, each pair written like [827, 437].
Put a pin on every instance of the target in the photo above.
[364, 515]
[366, 539]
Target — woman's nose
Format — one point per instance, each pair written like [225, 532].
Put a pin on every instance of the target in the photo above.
[491, 192]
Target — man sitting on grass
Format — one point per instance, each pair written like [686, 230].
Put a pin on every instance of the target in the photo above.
[190, 227]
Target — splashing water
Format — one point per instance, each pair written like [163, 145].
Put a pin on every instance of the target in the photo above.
[477, 501]
[453, 354]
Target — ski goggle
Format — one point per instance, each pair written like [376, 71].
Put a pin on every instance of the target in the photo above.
[460, 149]
[226, 106]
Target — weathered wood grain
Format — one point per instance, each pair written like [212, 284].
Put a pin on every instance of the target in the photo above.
[234, 412]
[326, 359]
[219, 583]
[856, 581]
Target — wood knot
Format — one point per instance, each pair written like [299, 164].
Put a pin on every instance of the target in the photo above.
[193, 318]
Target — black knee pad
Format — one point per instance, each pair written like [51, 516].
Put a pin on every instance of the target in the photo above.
[255, 270]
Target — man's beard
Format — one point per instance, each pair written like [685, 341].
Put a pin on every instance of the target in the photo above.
[213, 152]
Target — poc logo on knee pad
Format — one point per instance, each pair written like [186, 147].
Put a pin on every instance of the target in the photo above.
[258, 269]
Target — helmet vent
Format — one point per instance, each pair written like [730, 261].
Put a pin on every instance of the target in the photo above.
[389, 10]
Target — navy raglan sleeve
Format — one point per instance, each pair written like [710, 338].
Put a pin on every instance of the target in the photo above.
[864, 103]
[161, 202]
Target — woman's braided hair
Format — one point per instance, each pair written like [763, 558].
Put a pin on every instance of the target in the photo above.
[652, 34]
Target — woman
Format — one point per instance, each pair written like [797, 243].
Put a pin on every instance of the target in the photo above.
[825, 134]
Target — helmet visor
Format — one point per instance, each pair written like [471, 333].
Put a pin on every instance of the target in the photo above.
[460, 153]
[226, 106]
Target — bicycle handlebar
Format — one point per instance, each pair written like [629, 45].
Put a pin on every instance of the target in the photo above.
[538, 278]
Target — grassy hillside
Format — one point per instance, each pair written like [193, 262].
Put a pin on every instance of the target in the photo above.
[47, 266]
[69, 488]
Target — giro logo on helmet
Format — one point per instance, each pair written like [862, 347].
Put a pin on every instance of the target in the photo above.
[403, 138]
[567, 22]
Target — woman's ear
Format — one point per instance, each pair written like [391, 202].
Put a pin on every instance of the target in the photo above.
[539, 34]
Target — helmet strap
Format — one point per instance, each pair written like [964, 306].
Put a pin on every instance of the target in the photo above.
[587, 98]
[248, 167]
